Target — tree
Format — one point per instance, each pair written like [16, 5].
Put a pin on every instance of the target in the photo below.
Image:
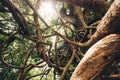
[86, 32]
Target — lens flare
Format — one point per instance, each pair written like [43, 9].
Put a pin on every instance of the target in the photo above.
[47, 11]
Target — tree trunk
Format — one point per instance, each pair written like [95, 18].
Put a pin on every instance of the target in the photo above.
[105, 51]
[110, 23]
[97, 58]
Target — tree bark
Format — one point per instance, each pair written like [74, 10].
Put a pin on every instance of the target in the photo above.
[110, 23]
[105, 51]
[98, 6]
[97, 58]
[18, 16]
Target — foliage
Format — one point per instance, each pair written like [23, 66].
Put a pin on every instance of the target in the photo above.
[43, 53]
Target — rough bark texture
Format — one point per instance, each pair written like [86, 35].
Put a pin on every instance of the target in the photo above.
[110, 23]
[98, 6]
[105, 51]
[97, 58]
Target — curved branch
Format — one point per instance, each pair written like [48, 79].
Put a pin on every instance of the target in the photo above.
[1, 54]
[68, 64]
[19, 18]
[97, 58]
[109, 23]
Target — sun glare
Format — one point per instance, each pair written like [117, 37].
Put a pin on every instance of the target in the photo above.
[47, 11]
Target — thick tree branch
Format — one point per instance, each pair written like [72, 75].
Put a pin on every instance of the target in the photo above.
[97, 58]
[98, 6]
[112, 77]
[109, 23]
[19, 18]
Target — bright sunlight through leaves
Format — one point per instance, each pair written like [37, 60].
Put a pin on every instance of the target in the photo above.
[48, 11]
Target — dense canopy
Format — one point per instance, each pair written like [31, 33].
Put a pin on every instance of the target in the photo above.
[52, 39]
